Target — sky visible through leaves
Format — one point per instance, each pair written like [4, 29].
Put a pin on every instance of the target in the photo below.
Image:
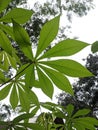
[86, 29]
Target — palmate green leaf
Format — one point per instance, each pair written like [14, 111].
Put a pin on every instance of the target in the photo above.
[78, 126]
[2, 77]
[59, 80]
[29, 77]
[5, 91]
[90, 120]
[85, 123]
[65, 48]
[33, 98]
[20, 15]
[25, 116]
[45, 84]
[19, 128]
[81, 113]
[5, 43]
[94, 47]
[3, 125]
[24, 100]
[70, 109]
[68, 67]
[8, 30]
[47, 34]
[59, 113]
[13, 60]
[14, 97]
[22, 39]
[4, 4]
[49, 105]
[8, 60]
[33, 126]
[4, 60]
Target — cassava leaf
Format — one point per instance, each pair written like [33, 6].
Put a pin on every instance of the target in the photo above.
[4, 4]
[45, 84]
[65, 48]
[5, 43]
[94, 47]
[48, 106]
[25, 116]
[78, 126]
[68, 67]
[90, 120]
[24, 100]
[29, 77]
[47, 34]
[33, 98]
[70, 109]
[8, 30]
[22, 39]
[8, 60]
[13, 60]
[85, 123]
[59, 80]
[14, 97]
[5, 91]
[19, 128]
[2, 77]
[33, 126]
[20, 15]
[81, 113]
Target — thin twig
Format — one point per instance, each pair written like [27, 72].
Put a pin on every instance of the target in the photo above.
[16, 75]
